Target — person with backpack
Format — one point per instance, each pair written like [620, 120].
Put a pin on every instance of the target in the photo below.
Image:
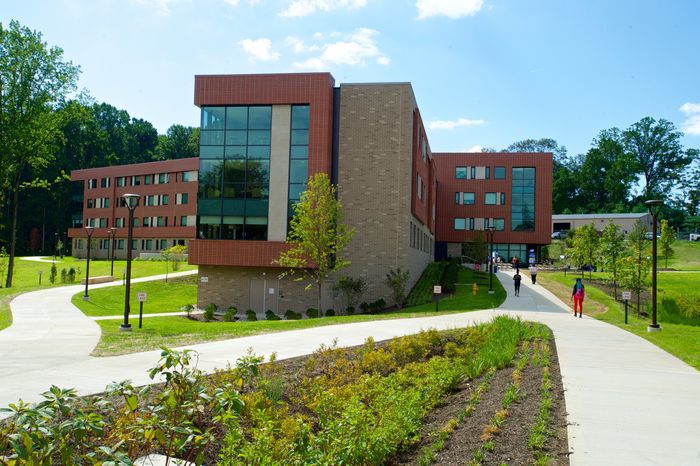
[533, 273]
[516, 281]
[577, 295]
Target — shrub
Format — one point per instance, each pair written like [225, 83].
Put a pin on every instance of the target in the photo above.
[422, 291]
[64, 276]
[209, 312]
[188, 308]
[251, 315]
[52, 274]
[377, 306]
[312, 313]
[349, 310]
[450, 277]
[71, 275]
[269, 315]
[397, 280]
[291, 315]
[364, 307]
[230, 314]
[330, 313]
[351, 289]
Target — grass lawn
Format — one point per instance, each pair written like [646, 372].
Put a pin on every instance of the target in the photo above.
[683, 341]
[162, 296]
[26, 276]
[179, 331]
[686, 256]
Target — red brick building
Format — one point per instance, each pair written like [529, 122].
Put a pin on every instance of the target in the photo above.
[165, 216]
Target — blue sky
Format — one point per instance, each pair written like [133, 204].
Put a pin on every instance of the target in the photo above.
[485, 72]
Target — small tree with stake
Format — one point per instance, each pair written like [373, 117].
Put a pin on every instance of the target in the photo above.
[668, 236]
[612, 247]
[317, 235]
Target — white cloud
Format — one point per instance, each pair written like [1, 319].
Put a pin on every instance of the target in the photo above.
[474, 148]
[452, 124]
[231, 2]
[299, 8]
[299, 46]
[162, 7]
[259, 49]
[453, 9]
[352, 50]
[691, 125]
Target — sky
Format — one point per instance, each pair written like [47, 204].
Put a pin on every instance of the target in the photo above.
[486, 73]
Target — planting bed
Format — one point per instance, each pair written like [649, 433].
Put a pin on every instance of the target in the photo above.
[489, 394]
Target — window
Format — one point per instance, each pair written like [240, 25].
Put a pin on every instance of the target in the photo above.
[461, 173]
[458, 197]
[503, 198]
[147, 221]
[468, 198]
[163, 244]
[490, 199]
[104, 223]
[136, 221]
[419, 187]
[487, 173]
[499, 173]
[147, 179]
[90, 203]
[104, 244]
[104, 183]
[473, 172]
[147, 245]
[161, 221]
[163, 178]
[120, 244]
[522, 199]
[105, 203]
[164, 199]
[183, 221]
[499, 224]
[150, 200]
[92, 183]
[119, 222]
[185, 176]
[134, 244]
[121, 181]
[183, 198]
[135, 181]
[460, 223]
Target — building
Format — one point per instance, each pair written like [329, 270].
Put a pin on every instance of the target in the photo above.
[165, 216]
[626, 222]
[262, 136]
[511, 192]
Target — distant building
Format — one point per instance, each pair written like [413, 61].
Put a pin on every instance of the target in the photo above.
[566, 222]
[165, 216]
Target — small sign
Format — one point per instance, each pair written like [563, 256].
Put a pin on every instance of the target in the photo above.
[141, 296]
[562, 256]
[626, 295]
[204, 279]
[437, 289]
[271, 291]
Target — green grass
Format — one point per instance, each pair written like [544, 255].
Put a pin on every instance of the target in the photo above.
[26, 276]
[686, 256]
[683, 341]
[162, 296]
[175, 331]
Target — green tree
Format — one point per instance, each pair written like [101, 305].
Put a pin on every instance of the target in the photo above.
[351, 289]
[477, 249]
[657, 154]
[634, 268]
[612, 247]
[585, 247]
[34, 79]
[397, 280]
[317, 235]
[177, 143]
[668, 236]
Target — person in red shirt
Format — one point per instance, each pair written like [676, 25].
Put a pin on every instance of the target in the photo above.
[577, 295]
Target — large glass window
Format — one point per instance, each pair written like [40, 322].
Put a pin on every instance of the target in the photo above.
[298, 155]
[460, 223]
[468, 198]
[499, 173]
[490, 198]
[461, 173]
[234, 172]
[523, 199]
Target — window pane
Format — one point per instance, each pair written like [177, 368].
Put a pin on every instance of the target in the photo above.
[259, 117]
[213, 117]
[300, 117]
[490, 198]
[234, 191]
[236, 138]
[256, 207]
[295, 190]
[499, 224]
[461, 173]
[460, 224]
[300, 137]
[499, 173]
[259, 138]
[299, 152]
[468, 198]
[457, 197]
[234, 171]
[298, 171]
[235, 152]
[237, 117]
[212, 138]
[258, 152]
[258, 172]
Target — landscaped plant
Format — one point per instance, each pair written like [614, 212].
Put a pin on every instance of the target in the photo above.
[330, 313]
[270, 315]
[364, 307]
[312, 313]
[71, 275]
[349, 310]
[397, 280]
[52, 274]
[230, 314]
[188, 308]
[422, 291]
[291, 315]
[450, 276]
[64, 276]
[209, 311]
[251, 315]
[351, 289]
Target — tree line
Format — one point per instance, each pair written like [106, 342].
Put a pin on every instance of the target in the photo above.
[48, 129]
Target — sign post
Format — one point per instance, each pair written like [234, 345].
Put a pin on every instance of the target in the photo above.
[141, 297]
[626, 295]
[437, 291]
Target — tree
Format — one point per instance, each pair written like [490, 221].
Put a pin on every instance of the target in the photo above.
[657, 154]
[634, 268]
[34, 79]
[668, 236]
[177, 143]
[351, 289]
[397, 280]
[477, 249]
[585, 247]
[612, 247]
[317, 235]
[175, 255]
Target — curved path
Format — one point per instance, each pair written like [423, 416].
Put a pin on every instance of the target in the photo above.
[628, 401]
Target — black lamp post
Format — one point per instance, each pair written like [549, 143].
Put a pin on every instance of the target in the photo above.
[55, 246]
[112, 232]
[131, 200]
[654, 207]
[490, 233]
[89, 231]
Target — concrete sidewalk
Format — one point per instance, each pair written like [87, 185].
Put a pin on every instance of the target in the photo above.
[628, 401]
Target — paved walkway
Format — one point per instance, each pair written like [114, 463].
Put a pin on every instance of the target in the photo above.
[628, 401]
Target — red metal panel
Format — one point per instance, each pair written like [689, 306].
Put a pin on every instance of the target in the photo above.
[236, 253]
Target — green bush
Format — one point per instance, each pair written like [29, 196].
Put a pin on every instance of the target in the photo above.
[71, 275]
[230, 314]
[269, 315]
[209, 312]
[291, 315]
[450, 277]
[64, 276]
[349, 310]
[364, 307]
[52, 274]
[330, 313]
[251, 315]
[312, 313]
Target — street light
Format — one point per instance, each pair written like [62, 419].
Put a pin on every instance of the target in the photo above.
[654, 207]
[112, 232]
[490, 229]
[89, 230]
[131, 200]
[55, 246]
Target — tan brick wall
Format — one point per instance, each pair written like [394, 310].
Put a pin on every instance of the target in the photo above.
[375, 181]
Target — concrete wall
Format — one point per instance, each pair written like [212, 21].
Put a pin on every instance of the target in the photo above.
[279, 173]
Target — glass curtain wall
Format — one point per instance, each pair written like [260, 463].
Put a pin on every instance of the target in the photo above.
[298, 155]
[234, 172]
[523, 202]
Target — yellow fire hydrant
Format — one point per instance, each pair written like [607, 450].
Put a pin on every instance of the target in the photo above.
[475, 289]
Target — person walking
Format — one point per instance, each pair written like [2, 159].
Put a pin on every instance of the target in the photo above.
[533, 273]
[577, 295]
[516, 281]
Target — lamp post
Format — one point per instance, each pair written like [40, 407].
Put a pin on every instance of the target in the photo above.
[490, 230]
[131, 200]
[654, 207]
[112, 232]
[89, 230]
[55, 246]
